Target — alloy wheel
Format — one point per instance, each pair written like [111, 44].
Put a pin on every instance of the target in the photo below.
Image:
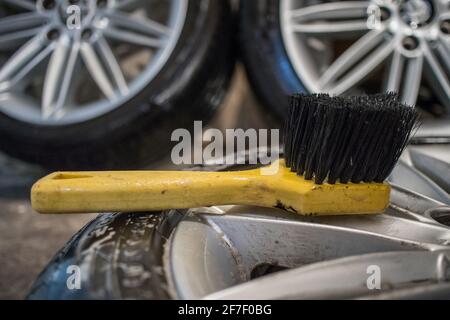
[236, 252]
[54, 71]
[354, 46]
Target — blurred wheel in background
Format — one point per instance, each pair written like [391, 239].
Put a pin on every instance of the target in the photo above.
[345, 47]
[107, 93]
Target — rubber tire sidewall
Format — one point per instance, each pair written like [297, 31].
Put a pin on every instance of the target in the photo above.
[262, 49]
[119, 256]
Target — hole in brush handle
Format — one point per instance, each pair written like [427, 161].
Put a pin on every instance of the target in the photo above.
[70, 176]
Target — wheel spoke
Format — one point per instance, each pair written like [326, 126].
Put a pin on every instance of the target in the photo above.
[444, 51]
[338, 9]
[126, 4]
[404, 77]
[129, 37]
[97, 70]
[59, 77]
[110, 60]
[349, 17]
[138, 24]
[438, 72]
[395, 72]
[356, 63]
[22, 62]
[18, 28]
[22, 4]
[331, 28]
[413, 78]
[135, 30]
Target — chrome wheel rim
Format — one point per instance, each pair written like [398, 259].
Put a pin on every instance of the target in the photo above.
[408, 39]
[53, 72]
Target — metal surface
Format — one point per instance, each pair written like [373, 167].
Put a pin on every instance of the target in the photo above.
[425, 169]
[219, 252]
[346, 277]
[337, 46]
[53, 72]
[433, 131]
[141, 191]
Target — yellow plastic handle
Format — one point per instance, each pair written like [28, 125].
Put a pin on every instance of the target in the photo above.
[127, 191]
[136, 191]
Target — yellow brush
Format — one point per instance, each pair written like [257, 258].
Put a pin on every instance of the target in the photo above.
[338, 152]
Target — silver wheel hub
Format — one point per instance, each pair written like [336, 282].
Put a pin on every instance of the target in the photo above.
[351, 46]
[69, 61]
[416, 13]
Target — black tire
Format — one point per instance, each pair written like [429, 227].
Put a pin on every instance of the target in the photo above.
[120, 255]
[268, 67]
[108, 243]
[189, 87]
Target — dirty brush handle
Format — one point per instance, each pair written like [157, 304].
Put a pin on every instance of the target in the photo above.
[137, 191]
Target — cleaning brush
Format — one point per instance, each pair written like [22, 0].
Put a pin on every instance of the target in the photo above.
[356, 139]
[338, 152]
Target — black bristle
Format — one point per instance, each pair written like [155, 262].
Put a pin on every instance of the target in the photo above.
[346, 139]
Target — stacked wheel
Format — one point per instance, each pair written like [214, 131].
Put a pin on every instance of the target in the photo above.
[108, 93]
